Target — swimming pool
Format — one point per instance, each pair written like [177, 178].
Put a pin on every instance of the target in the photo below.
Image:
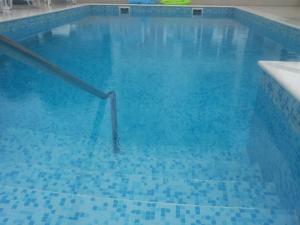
[197, 140]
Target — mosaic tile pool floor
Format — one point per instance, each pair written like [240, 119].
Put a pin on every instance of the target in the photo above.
[66, 188]
[186, 94]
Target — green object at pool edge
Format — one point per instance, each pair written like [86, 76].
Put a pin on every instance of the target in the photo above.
[175, 2]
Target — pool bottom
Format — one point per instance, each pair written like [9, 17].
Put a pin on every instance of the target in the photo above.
[29, 206]
[185, 111]
[54, 180]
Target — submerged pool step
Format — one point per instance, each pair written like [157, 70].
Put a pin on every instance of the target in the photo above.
[19, 206]
[29, 140]
[144, 188]
[181, 162]
[199, 168]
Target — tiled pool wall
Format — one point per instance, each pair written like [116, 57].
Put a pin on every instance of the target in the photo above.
[24, 27]
[21, 28]
[288, 36]
[177, 11]
[275, 140]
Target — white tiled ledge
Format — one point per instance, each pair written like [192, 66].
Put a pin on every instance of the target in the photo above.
[287, 74]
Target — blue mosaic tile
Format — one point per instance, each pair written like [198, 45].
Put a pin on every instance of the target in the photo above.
[143, 188]
[218, 12]
[276, 118]
[75, 182]
[175, 11]
[59, 151]
[70, 176]
[59, 208]
[21, 28]
[286, 35]
[106, 10]
[285, 102]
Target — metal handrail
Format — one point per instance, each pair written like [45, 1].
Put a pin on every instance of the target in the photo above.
[24, 55]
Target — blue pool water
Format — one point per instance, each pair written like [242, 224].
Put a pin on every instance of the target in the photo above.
[187, 97]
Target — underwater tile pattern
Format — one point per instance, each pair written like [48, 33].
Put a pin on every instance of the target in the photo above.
[143, 188]
[60, 208]
[57, 150]
[66, 190]
[51, 178]
[276, 118]
[285, 102]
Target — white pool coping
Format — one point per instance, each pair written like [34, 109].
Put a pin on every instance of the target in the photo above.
[287, 74]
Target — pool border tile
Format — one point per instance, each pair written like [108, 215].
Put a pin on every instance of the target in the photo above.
[284, 34]
[19, 28]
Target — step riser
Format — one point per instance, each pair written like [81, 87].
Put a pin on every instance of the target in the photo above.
[154, 162]
[195, 168]
[34, 144]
